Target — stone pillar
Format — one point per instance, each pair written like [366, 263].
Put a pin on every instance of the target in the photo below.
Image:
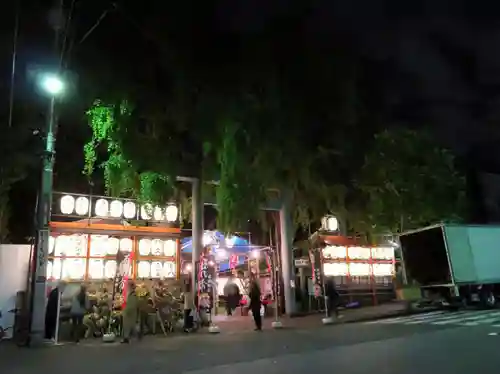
[286, 251]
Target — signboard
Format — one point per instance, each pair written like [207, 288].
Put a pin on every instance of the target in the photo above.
[301, 262]
[206, 282]
[316, 264]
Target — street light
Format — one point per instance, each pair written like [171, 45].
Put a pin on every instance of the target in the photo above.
[52, 84]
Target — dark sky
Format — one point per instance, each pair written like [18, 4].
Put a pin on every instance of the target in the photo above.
[433, 62]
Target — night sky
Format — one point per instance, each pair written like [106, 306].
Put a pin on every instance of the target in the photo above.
[431, 62]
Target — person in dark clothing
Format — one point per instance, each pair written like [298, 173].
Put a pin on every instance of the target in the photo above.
[232, 295]
[332, 297]
[79, 306]
[51, 311]
[255, 302]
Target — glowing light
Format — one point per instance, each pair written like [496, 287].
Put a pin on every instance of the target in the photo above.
[169, 269]
[221, 254]
[67, 204]
[129, 210]
[144, 269]
[116, 209]
[188, 268]
[158, 213]
[144, 247]
[171, 213]
[170, 248]
[207, 239]
[156, 269]
[96, 269]
[82, 206]
[157, 247]
[211, 263]
[52, 84]
[146, 211]
[255, 254]
[110, 269]
[112, 246]
[126, 245]
[330, 223]
[230, 241]
[102, 208]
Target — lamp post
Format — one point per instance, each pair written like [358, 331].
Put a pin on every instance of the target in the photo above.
[53, 86]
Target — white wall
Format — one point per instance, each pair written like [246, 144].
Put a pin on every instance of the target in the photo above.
[14, 264]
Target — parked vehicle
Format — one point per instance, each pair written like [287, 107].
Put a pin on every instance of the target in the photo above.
[455, 265]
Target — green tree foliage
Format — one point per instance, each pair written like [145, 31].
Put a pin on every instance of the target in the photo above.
[408, 181]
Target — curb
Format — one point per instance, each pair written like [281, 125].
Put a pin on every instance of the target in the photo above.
[403, 313]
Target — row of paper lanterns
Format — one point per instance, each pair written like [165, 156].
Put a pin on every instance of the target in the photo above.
[359, 253]
[357, 269]
[117, 209]
[106, 269]
[103, 245]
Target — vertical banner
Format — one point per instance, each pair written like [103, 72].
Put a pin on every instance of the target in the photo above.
[317, 271]
[206, 282]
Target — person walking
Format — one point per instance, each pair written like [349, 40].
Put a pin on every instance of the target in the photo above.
[79, 306]
[332, 297]
[53, 304]
[255, 301]
[130, 313]
[232, 295]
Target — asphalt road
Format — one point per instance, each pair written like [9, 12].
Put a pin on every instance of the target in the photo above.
[350, 349]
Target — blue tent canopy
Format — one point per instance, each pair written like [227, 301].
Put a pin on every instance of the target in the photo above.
[232, 245]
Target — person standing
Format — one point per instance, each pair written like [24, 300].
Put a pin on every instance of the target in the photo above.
[79, 306]
[130, 313]
[255, 301]
[53, 303]
[188, 306]
[332, 297]
[232, 295]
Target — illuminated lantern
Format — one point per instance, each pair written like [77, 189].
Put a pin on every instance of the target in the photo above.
[62, 244]
[169, 269]
[67, 204]
[335, 269]
[57, 269]
[129, 211]
[96, 269]
[52, 243]
[146, 211]
[230, 241]
[144, 269]
[170, 248]
[334, 252]
[158, 214]
[74, 268]
[156, 269]
[82, 206]
[49, 269]
[145, 247]
[330, 223]
[102, 208]
[110, 269]
[383, 269]
[126, 245]
[157, 247]
[171, 213]
[116, 209]
[113, 244]
[358, 270]
[78, 245]
[98, 245]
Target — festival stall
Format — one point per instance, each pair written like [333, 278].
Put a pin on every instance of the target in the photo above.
[103, 242]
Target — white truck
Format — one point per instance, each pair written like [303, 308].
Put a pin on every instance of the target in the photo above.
[459, 263]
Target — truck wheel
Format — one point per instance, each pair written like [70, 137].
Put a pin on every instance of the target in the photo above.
[490, 300]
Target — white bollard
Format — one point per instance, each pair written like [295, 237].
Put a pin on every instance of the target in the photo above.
[277, 325]
[110, 337]
[327, 321]
[213, 329]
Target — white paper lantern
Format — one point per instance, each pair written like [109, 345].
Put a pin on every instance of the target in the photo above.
[146, 211]
[330, 223]
[157, 247]
[144, 269]
[102, 208]
[116, 209]
[49, 270]
[110, 269]
[98, 245]
[67, 204]
[78, 246]
[52, 243]
[383, 269]
[57, 269]
[156, 269]
[335, 269]
[158, 213]
[96, 269]
[74, 268]
[335, 252]
[113, 244]
[358, 270]
[359, 253]
[129, 210]
[383, 253]
[170, 248]
[62, 244]
[126, 245]
[82, 206]
[145, 247]
[169, 269]
[171, 213]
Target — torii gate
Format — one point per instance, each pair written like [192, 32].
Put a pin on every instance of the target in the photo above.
[277, 204]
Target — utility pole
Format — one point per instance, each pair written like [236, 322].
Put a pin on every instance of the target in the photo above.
[39, 276]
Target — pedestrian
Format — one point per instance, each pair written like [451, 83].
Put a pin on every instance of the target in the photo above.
[255, 301]
[130, 313]
[332, 297]
[53, 303]
[188, 306]
[79, 307]
[232, 295]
